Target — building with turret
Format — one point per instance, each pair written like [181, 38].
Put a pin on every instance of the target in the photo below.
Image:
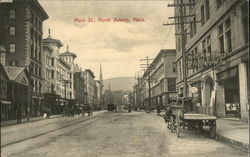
[69, 58]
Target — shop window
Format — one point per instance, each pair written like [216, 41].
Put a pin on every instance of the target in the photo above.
[12, 30]
[12, 14]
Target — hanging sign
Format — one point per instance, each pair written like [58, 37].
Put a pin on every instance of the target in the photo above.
[193, 90]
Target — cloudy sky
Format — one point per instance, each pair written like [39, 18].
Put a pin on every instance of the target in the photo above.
[118, 46]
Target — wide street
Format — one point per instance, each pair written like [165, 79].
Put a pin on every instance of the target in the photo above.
[108, 134]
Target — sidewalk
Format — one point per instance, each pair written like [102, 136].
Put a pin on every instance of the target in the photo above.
[233, 132]
[24, 120]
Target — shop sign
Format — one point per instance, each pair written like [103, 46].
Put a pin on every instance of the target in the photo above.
[205, 60]
[193, 90]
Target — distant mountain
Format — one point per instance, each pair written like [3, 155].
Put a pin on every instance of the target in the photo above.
[120, 83]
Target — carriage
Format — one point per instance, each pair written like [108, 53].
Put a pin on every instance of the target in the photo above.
[186, 116]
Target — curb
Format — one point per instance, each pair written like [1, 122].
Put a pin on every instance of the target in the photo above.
[239, 145]
[30, 121]
[49, 131]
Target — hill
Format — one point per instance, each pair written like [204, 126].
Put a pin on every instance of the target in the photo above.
[120, 83]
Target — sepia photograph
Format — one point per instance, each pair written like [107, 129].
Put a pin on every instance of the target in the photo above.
[124, 78]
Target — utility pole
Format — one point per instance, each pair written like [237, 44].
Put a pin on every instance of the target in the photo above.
[65, 83]
[148, 73]
[183, 35]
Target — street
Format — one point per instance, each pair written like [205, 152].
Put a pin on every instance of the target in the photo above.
[108, 134]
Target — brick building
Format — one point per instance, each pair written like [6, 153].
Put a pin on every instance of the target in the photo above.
[217, 56]
[21, 33]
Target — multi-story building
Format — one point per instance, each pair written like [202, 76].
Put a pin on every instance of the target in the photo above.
[217, 56]
[69, 58]
[90, 85]
[162, 76]
[21, 33]
[51, 73]
[79, 87]
[65, 86]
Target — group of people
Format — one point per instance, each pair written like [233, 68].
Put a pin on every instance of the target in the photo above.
[87, 109]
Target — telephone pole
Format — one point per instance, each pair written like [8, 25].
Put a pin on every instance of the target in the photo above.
[149, 79]
[180, 7]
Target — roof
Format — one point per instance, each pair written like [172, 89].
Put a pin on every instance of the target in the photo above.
[13, 71]
[90, 73]
[67, 53]
[64, 63]
[46, 45]
[39, 9]
[159, 55]
[51, 40]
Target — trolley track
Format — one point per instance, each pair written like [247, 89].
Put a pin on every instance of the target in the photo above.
[54, 130]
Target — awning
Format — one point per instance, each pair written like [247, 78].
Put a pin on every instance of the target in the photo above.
[5, 102]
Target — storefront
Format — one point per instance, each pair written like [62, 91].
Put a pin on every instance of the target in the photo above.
[229, 79]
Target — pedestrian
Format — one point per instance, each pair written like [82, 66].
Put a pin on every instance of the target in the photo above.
[168, 115]
[48, 112]
[158, 110]
[19, 115]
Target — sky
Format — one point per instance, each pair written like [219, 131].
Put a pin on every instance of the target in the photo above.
[117, 46]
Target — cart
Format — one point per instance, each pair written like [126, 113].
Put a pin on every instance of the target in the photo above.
[191, 120]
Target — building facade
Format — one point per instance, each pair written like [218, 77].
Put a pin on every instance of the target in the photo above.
[21, 34]
[79, 87]
[90, 85]
[162, 77]
[51, 73]
[69, 58]
[217, 57]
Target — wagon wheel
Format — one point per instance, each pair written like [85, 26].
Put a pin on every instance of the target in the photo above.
[212, 129]
[178, 126]
[200, 125]
[172, 124]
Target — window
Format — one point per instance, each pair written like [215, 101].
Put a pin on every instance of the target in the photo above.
[52, 61]
[228, 35]
[191, 6]
[12, 14]
[207, 10]
[221, 39]
[13, 63]
[245, 23]
[204, 51]
[52, 74]
[39, 72]
[202, 16]
[209, 46]
[174, 67]
[219, 3]
[172, 84]
[12, 30]
[180, 71]
[31, 50]
[12, 48]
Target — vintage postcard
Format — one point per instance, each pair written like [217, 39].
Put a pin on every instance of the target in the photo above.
[124, 78]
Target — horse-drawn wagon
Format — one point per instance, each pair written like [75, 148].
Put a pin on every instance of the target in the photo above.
[184, 115]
